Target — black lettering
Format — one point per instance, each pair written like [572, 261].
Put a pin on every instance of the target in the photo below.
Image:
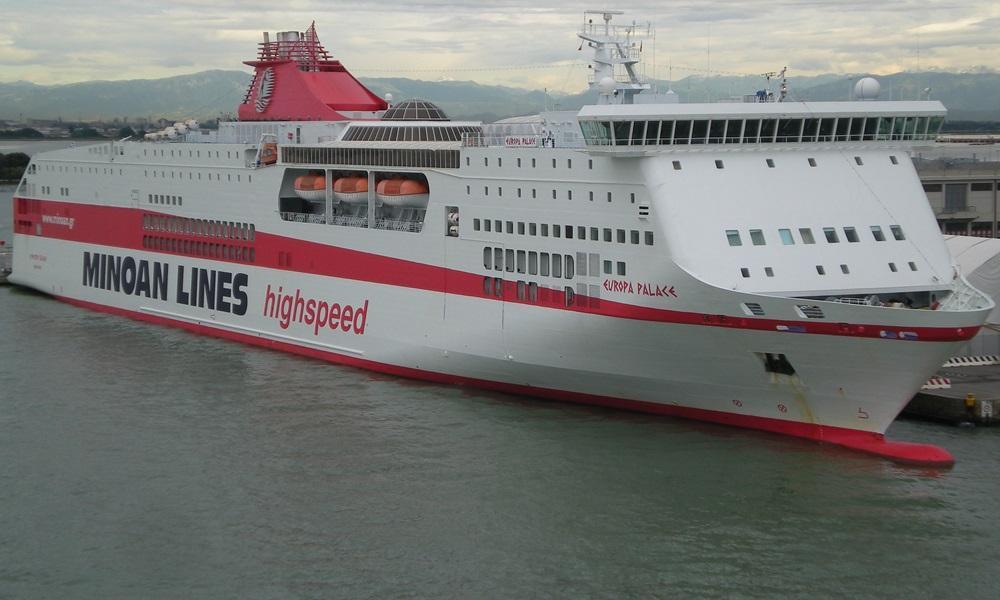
[142, 280]
[224, 278]
[104, 273]
[128, 274]
[91, 269]
[114, 273]
[206, 289]
[161, 271]
[240, 281]
[182, 296]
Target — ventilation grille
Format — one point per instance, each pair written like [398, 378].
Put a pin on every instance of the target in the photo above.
[643, 210]
[752, 308]
[810, 311]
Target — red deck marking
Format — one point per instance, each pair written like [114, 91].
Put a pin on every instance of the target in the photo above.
[122, 228]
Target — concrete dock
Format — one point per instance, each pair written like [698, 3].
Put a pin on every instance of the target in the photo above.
[6, 262]
[974, 397]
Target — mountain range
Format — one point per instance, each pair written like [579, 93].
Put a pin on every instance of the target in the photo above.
[206, 95]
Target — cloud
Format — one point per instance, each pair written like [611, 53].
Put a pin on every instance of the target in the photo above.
[488, 42]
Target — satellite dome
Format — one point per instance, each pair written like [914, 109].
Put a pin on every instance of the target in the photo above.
[606, 85]
[414, 110]
[867, 89]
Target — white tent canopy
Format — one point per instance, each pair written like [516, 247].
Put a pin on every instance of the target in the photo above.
[979, 261]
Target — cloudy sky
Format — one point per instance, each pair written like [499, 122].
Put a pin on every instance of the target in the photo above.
[62, 41]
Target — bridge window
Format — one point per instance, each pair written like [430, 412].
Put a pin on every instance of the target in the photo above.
[751, 130]
[897, 232]
[757, 237]
[877, 233]
[768, 129]
[786, 237]
[807, 235]
[843, 129]
[734, 129]
[699, 132]
[851, 234]
[810, 130]
[831, 235]
[717, 131]
[682, 132]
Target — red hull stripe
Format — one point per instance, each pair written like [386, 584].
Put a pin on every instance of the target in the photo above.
[871, 443]
[122, 228]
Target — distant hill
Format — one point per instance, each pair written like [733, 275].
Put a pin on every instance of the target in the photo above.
[205, 95]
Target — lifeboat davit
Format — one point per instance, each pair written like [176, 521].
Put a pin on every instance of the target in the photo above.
[311, 187]
[403, 193]
[351, 190]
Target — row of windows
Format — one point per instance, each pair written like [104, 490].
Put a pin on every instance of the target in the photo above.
[381, 157]
[534, 193]
[821, 270]
[165, 199]
[980, 186]
[529, 291]
[370, 133]
[546, 265]
[203, 227]
[806, 235]
[198, 248]
[534, 162]
[597, 234]
[760, 131]
[191, 175]
[191, 153]
[79, 169]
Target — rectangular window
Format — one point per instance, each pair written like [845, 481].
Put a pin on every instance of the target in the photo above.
[521, 261]
[634, 237]
[544, 264]
[488, 258]
[807, 235]
[556, 230]
[594, 236]
[734, 237]
[532, 229]
[488, 225]
[581, 232]
[568, 229]
[594, 265]
[620, 235]
[620, 266]
[877, 233]
[607, 234]
[892, 267]
[498, 225]
[932, 187]
[820, 270]
[510, 226]
[569, 266]
[982, 187]
[498, 259]
[556, 265]
[649, 238]
[509, 258]
[845, 270]
[520, 228]
[897, 232]
[786, 237]
[757, 237]
[532, 263]
[751, 130]
[545, 230]
[745, 272]
[831, 235]
[607, 267]
[851, 234]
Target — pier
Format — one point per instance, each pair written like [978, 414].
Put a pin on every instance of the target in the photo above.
[964, 391]
[6, 262]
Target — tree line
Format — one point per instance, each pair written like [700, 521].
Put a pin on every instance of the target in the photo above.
[12, 165]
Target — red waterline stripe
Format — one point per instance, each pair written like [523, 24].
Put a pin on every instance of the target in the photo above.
[863, 441]
[122, 228]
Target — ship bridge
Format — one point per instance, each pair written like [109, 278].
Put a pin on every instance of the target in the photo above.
[625, 127]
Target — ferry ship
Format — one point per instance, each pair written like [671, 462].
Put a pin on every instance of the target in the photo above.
[762, 263]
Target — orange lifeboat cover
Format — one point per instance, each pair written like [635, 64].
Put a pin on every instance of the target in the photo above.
[401, 187]
[348, 185]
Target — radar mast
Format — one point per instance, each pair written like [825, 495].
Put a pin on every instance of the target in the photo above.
[617, 51]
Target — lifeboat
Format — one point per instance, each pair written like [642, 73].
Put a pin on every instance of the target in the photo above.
[311, 187]
[403, 193]
[351, 190]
